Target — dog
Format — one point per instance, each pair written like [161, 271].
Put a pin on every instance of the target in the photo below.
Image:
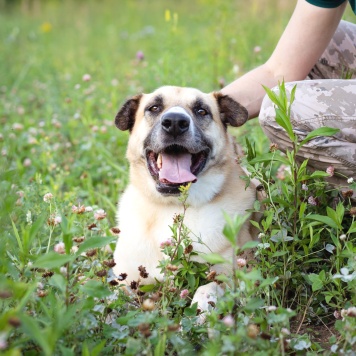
[179, 135]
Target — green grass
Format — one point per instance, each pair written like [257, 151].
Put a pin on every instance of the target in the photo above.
[57, 135]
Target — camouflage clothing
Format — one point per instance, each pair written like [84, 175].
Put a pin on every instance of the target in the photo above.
[324, 101]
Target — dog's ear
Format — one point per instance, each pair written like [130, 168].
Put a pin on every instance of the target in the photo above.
[231, 112]
[125, 118]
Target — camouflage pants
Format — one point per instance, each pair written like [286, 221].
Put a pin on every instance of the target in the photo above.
[324, 100]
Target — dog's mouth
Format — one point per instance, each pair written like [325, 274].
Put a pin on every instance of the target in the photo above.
[175, 166]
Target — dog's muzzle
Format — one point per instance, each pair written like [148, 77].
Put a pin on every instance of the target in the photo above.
[179, 159]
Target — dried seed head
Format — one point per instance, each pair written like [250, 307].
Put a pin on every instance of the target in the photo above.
[91, 253]
[92, 226]
[173, 327]
[252, 331]
[273, 147]
[115, 231]
[347, 193]
[47, 274]
[134, 285]
[109, 263]
[122, 276]
[14, 321]
[41, 293]
[80, 209]
[351, 312]
[148, 304]
[144, 329]
[171, 267]
[4, 294]
[113, 282]
[353, 211]
[78, 239]
[143, 272]
[188, 249]
[101, 273]
[211, 276]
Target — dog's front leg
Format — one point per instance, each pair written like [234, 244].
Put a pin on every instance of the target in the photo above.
[206, 296]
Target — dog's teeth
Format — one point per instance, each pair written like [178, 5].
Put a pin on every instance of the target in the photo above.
[159, 161]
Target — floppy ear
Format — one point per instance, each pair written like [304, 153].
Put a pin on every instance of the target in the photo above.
[231, 112]
[125, 118]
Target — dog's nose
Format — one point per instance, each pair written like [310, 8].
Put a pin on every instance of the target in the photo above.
[175, 123]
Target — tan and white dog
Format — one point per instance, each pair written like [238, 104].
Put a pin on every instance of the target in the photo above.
[179, 135]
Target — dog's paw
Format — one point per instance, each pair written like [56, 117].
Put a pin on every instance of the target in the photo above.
[206, 297]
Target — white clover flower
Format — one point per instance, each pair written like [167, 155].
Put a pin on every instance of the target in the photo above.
[47, 197]
[241, 262]
[100, 214]
[350, 180]
[86, 77]
[229, 321]
[60, 248]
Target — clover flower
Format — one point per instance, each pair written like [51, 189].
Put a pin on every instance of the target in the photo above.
[60, 248]
[100, 214]
[330, 170]
[184, 294]
[241, 262]
[47, 197]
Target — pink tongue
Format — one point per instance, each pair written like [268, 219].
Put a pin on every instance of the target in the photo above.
[176, 168]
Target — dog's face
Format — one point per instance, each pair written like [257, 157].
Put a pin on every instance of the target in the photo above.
[177, 133]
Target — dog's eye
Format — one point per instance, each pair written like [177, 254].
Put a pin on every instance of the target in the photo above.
[154, 108]
[202, 112]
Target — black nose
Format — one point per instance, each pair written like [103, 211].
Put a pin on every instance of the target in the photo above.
[175, 123]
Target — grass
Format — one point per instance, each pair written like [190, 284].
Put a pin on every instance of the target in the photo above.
[68, 67]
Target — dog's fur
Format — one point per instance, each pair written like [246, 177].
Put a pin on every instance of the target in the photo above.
[148, 205]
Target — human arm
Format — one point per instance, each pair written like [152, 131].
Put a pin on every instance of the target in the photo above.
[305, 38]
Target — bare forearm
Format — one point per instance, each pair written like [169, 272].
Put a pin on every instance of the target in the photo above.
[248, 89]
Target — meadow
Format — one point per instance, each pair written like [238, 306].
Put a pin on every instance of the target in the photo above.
[66, 67]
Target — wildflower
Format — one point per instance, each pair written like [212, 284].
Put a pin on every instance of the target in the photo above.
[148, 304]
[114, 82]
[88, 209]
[342, 237]
[60, 248]
[257, 49]
[312, 201]
[252, 331]
[166, 243]
[229, 321]
[330, 170]
[80, 209]
[100, 214]
[281, 172]
[285, 331]
[261, 235]
[350, 180]
[40, 286]
[235, 69]
[86, 77]
[337, 314]
[63, 270]
[184, 294]
[271, 308]
[304, 187]
[17, 127]
[140, 55]
[46, 27]
[241, 262]
[351, 312]
[47, 197]
[27, 162]
[74, 249]
[143, 272]
[76, 116]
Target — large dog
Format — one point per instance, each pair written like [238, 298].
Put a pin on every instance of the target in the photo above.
[179, 135]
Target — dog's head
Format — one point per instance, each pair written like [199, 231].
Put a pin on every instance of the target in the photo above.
[178, 133]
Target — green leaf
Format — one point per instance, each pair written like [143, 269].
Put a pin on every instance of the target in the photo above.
[321, 131]
[52, 260]
[94, 242]
[161, 345]
[33, 330]
[316, 282]
[192, 310]
[323, 219]
[269, 157]
[249, 245]
[147, 288]
[214, 258]
[95, 289]
[253, 304]
[352, 228]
